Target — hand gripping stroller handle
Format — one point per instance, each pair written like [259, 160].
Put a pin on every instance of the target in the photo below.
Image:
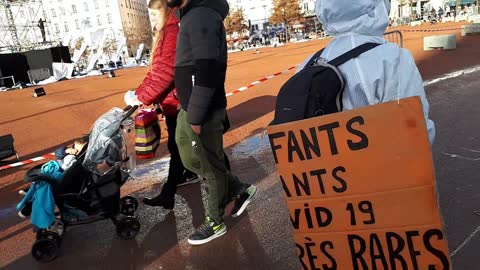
[129, 111]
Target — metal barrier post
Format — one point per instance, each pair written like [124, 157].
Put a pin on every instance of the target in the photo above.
[395, 34]
[11, 77]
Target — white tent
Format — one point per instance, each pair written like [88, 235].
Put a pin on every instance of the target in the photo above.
[98, 39]
[120, 45]
[140, 52]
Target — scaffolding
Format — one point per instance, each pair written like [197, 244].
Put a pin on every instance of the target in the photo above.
[24, 26]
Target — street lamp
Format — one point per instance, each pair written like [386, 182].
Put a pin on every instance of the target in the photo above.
[285, 25]
[264, 24]
[265, 9]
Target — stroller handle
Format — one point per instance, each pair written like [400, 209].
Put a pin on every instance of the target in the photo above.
[129, 111]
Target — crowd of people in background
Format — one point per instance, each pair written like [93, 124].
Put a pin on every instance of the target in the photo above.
[435, 15]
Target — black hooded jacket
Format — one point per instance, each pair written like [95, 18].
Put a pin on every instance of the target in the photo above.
[201, 58]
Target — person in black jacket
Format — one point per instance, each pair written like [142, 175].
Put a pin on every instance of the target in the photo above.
[200, 70]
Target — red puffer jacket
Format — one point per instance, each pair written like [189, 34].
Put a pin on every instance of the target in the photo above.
[158, 86]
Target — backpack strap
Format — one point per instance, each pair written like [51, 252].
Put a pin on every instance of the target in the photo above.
[314, 58]
[355, 52]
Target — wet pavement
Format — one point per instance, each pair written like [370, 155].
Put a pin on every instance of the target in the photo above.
[259, 238]
[455, 109]
[262, 237]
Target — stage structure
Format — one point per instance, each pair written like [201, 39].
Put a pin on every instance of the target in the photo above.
[24, 26]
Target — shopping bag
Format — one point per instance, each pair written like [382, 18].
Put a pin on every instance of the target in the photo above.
[147, 133]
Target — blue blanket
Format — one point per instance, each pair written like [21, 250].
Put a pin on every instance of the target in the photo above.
[41, 196]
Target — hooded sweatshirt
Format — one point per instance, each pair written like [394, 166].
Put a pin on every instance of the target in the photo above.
[201, 59]
[383, 74]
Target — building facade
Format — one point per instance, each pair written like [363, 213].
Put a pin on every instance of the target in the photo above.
[407, 8]
[258, 12]
[308, 7]
[127, 19]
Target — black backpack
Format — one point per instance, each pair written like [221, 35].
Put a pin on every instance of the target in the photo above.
[316, 90]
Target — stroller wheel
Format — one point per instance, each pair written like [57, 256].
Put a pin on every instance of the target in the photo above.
[45, 250]
[128, 228]
[48, 235]
[128, 205]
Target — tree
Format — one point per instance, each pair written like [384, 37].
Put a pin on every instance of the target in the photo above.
[140, 33]
[77, 46]
[403, 3]
[235, 23]
[78, 43]
[286, 12]
[110, 47]
[458, 5]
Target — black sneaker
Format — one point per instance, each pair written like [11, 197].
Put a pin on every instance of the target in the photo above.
[242, 200]
[160, 200]
[26, 211]
[188, 179]
[207, 232]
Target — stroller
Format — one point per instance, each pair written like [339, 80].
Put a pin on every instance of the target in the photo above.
[90, 188]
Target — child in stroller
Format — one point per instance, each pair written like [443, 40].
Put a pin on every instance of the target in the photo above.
[89, 190]
[66, 157]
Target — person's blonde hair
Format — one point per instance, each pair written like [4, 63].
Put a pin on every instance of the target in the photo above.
[160, 5]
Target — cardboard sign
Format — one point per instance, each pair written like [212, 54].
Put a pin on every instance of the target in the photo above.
[360, 189]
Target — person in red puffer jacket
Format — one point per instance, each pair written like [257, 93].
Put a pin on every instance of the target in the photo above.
[158, 87]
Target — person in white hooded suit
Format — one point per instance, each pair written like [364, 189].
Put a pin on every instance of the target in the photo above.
[383, 74]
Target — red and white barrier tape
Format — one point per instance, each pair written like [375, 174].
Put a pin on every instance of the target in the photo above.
[264, 79]
[241, 89]
[28, 161]
[440, 29]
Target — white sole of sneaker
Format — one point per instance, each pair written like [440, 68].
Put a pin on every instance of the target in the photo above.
[21, 215]
[245, 204]
[204, 241]
[22, 192]
[190, 182]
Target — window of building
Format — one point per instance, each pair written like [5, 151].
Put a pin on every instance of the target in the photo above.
[85, 5]
[57, 29]
[62, 10]
[74, 9]
[95, 2]
[107, 3]
[77, 24]
[99, 20]
[109, 18]
[66, 26]
[54, 14]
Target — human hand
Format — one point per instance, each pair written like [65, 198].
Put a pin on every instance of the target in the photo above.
[197, 129]
[71, 151]
[137, 102]
[131, 99]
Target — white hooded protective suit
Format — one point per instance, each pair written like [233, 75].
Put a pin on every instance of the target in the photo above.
[382, 74]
